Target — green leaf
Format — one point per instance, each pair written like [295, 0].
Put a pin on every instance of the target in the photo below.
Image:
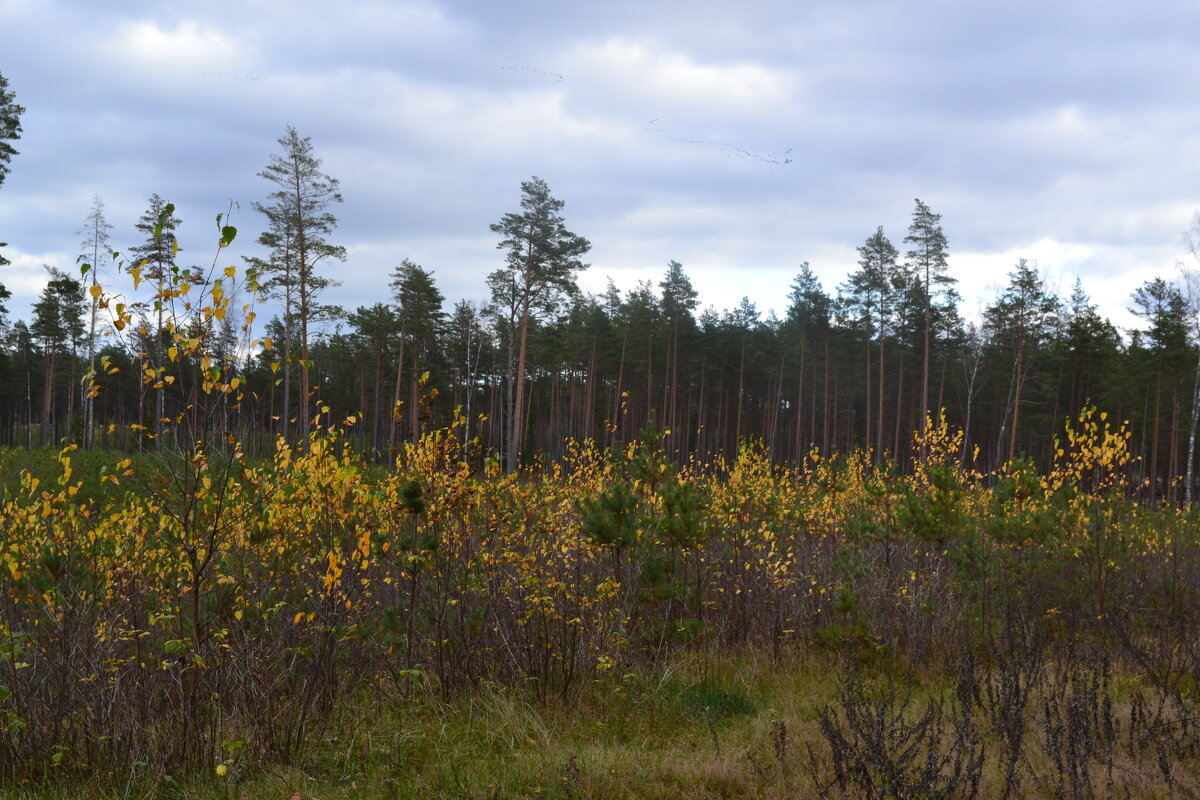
[163, 218]
[227, 235]
[83, 270]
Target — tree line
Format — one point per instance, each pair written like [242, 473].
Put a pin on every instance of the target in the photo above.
[863, 364]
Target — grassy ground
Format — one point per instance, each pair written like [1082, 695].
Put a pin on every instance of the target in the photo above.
[744, 727]
[696, 729]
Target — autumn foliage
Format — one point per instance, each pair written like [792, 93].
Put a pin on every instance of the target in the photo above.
[229, 600]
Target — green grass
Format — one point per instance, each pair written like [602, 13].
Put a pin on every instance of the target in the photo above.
[87, 467]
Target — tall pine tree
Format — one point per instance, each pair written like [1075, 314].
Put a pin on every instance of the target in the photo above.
[541, 260]
[298, 229]
[928, 261]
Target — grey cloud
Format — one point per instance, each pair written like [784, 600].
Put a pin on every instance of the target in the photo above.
[1020, 122]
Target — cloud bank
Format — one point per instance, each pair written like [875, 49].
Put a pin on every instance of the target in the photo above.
[740, 141]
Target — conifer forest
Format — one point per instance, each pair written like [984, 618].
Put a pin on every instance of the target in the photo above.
[850, 367]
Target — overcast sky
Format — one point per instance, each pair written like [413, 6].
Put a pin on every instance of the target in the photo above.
[740, 139]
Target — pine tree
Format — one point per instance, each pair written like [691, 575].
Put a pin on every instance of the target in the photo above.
[679, 301]
[1091, 345]
[1162, 305]
[640, 321]
[95, 249]
[156, 252]
[375, 327]
[542, 258]
[298, 228]
[872, 293]
[58, 323]
[5, 294]
[1020, 321]
[807, 324]
[928, 261]
[10, 130]
[466, 344]
[155, 257]
[421, 318]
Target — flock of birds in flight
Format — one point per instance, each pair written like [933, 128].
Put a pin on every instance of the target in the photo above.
[726, 149]
[233, 75]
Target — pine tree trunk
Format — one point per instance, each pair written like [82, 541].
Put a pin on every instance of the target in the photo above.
[826, 439]
[286, 420]
[518, 396]
[1191, 452]
[899, 406]
[618, 419]
[798, 446]
[867, 418]
[414, 398]
[394, 427]
[47, 423]
[879, 411]
[1016, 412]
[737, 439]
[1154, 465]
[924, 421]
